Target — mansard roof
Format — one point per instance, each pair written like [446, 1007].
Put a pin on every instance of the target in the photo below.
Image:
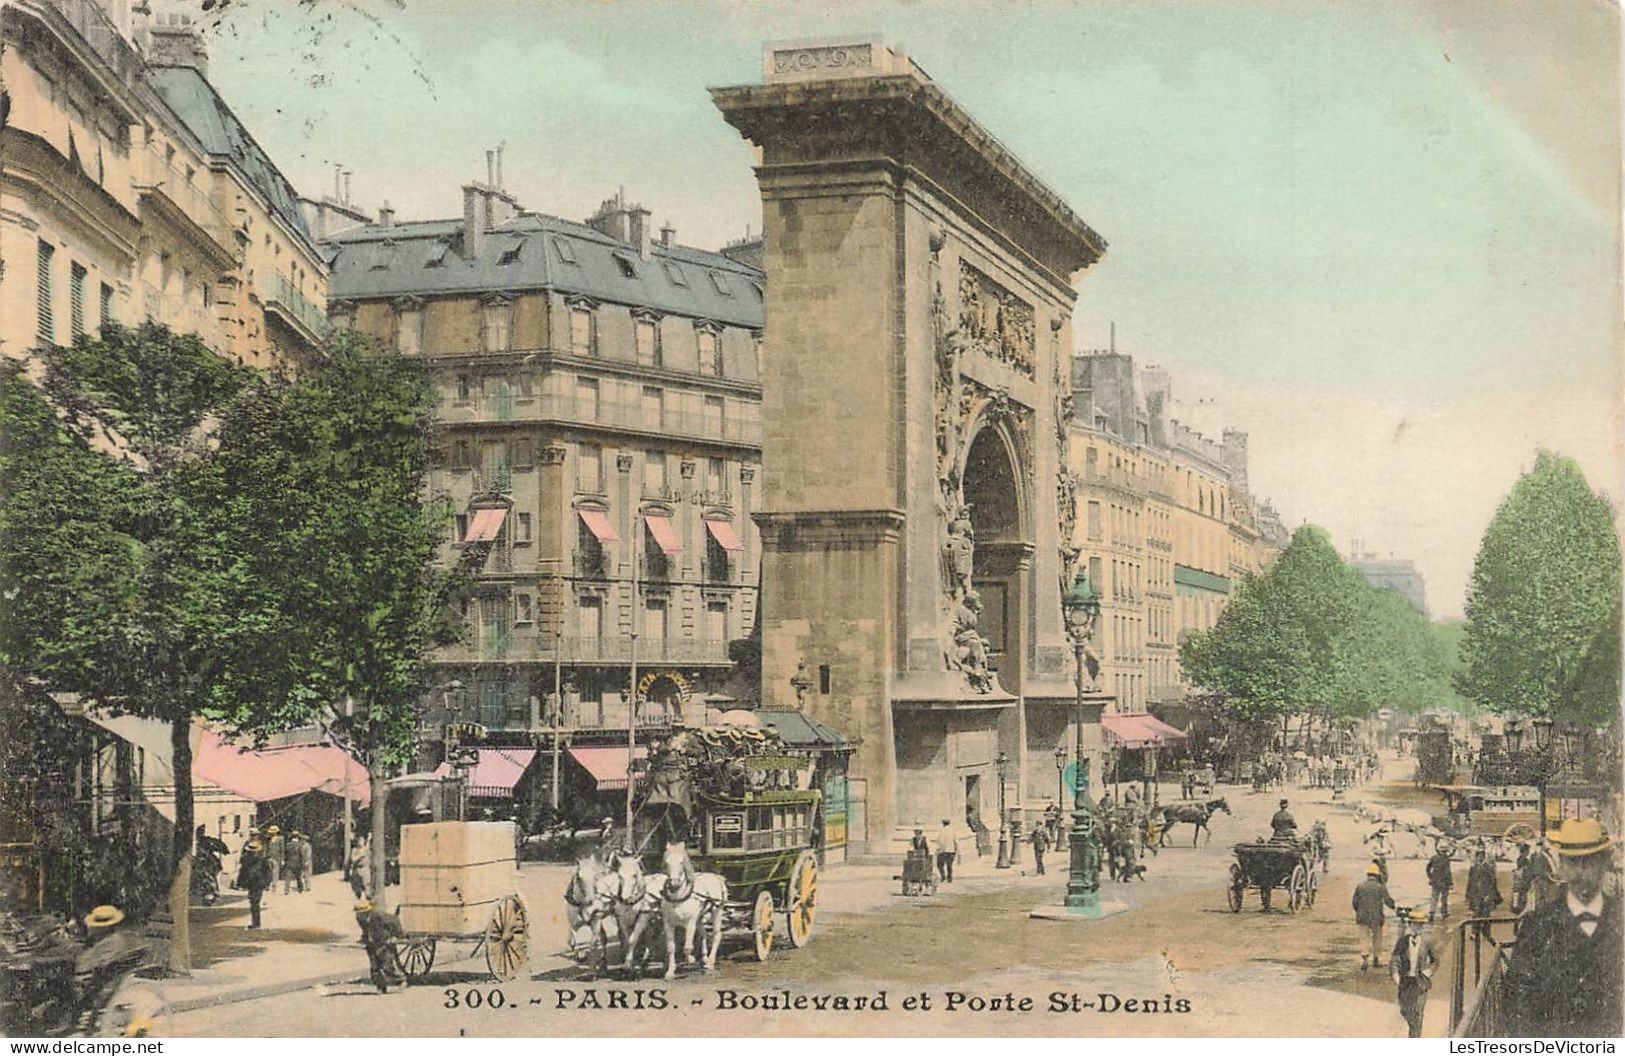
[534, 251]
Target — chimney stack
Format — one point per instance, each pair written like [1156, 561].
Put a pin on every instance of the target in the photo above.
[499, 184]
[174, 41]
[386, 215]
[476, 219]
[490, 168]
[638, 232]
[668, 235]
[347, 188]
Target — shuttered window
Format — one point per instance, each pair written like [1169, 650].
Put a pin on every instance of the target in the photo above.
[76, 299]
[107, 304]
[47, 322]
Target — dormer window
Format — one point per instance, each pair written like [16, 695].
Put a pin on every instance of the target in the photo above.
[710, 342]
[675, 274]
[437, 255]
[382, 257]
[565, 251]
[510, 254]
[720, 283]
[624, 263]
[646, 332]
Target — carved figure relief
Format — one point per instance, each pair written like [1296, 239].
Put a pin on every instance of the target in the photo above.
[995, 321]
[970, 648]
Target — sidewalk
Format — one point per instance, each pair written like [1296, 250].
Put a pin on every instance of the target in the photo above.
[305, 940]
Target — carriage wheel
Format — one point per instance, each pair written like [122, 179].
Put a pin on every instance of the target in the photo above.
[762, 924]
[507, 939]
[802, 899]
[1234, 893]
[1519, 832]
[416, 958]
[1309, 896]
[1295, 887]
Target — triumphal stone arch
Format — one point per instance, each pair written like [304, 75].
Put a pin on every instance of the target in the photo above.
[918, 322]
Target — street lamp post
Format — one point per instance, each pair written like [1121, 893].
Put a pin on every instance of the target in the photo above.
[1081, 606]
[1060, 788]
[1001, 761]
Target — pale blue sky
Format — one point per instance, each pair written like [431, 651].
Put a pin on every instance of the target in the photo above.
[1384, 236]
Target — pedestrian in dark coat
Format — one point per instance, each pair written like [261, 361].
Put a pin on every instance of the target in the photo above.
[1439, 881]
[1040, 842]
[307, 862]
[254, 876]
[276, 853]
[1483, 893]
[1414, 961]
[1564, 978]
[381, 933]
[1369, 899]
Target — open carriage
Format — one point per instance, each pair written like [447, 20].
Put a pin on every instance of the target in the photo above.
[743, 804]
[1285, 864]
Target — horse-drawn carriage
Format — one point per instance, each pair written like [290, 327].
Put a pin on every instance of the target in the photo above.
[1197, 781]
[741, 803]
[1510, 813]
[459, 883]
[1288, 864]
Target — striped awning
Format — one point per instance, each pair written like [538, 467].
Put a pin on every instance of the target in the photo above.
[1139, 731]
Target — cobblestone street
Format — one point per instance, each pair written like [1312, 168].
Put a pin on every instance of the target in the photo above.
[1178, 943]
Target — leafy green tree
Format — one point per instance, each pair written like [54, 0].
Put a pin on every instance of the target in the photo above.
[335, 463]
[1543, 605]
[1282, 644]
[119, 574]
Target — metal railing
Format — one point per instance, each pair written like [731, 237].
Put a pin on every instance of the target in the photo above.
[279, 292]
[608, 413]
[526, 646]
[1476, 1010]
[193, 201]
[89, 19]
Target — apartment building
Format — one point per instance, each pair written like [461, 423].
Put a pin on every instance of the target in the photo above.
[1164, 523]
[131, 192]
[600, 436]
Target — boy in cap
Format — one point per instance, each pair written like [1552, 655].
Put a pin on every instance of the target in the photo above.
[380, 932]
[1564, 978]
[1413, 962]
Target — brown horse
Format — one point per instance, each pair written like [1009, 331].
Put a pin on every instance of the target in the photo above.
[1197, 814]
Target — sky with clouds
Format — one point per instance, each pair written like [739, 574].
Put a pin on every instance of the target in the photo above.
[1382, 237]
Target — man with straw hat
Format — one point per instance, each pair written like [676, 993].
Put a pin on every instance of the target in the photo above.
[107, 944]
[254, 876]
[1564, 979]
[380, 934]
[1369, 899]
[1413, 962]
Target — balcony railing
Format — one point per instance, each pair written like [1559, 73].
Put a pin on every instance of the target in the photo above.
[551, 407]
[160, 177]
[89, 19]
[280, 293]
[528, 646]
[591, 565]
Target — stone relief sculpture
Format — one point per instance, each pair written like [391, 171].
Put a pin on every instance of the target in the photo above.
[958, 554]
[970, 648]
[995, 321]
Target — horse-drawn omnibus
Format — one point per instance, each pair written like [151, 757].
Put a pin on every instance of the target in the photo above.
[740, 800]
[1505, 812]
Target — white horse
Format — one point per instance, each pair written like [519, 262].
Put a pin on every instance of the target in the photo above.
[634, 898]
[686, 900]
[587, 909]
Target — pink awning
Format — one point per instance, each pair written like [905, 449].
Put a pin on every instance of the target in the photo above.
[496, 771]
[276, 773]
[485, 525]
[723, 533]
[1139, 731]
[665, 533]
[597, 523]
[606, 765]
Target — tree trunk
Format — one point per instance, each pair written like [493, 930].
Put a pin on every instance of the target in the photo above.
[180, 885]
[377, 828]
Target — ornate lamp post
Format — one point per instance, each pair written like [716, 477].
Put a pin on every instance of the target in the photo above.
[1000, 762]
[1081, 607]
[1060, 786]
